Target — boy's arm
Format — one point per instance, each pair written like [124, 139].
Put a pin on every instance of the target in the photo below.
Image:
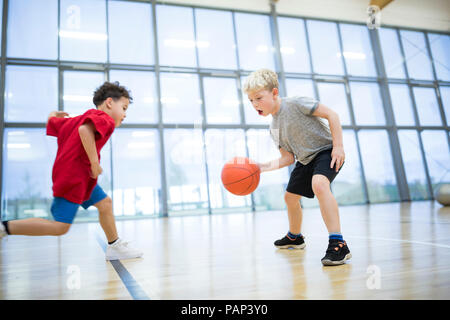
[285, 160]
[87, 135]
[58, 114]
[337, 154]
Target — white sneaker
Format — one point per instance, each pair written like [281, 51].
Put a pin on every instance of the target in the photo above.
[2, 230]
[120, 250]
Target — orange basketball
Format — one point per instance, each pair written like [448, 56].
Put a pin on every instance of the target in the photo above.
[240, 176]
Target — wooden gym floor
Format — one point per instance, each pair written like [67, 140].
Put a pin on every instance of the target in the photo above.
[400, 251]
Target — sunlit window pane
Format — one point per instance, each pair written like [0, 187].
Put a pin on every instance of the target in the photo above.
[185, 172]
[413, 164]
[427, 106]
[333, 95]
[254, 41]
[325, 51]
[416, 55]
[215, 39]
[79, 88]
[348, 185]
[437, 154]
[221, 100]
[378, 166]
[293, 45]
[300, 87]
[392, 55]
[176, 42]
[367, 104]
[401, 104]
[28, 156]
[143, 90]
[180, 98]
[137, 180]
[33, 29]
[82, 31]
[358, 53]
[27, 99]
[440, 50]
[130, 31]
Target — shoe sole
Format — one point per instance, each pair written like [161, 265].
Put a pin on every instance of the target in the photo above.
[293, 246]
[124, 258]
[328, 262]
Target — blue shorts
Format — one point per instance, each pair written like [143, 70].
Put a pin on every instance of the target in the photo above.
[65, 211]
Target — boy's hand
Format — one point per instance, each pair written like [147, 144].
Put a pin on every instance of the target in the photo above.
[337, 157]
[58, 114]
[96, 170]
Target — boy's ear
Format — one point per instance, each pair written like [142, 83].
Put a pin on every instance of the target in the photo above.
[275, 92]
[108, 102]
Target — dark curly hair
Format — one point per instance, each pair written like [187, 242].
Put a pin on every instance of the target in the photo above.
[110, 90]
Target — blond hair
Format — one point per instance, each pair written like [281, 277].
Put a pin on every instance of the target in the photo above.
[261, 79]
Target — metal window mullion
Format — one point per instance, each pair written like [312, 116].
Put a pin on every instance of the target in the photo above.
[352, 117]
[416, 117]
[164, 200]
[436, 87]
[241, 100]
[399, 170]
[203, 112]
[2, 98]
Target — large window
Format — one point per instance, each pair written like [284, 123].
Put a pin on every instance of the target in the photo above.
[176, 39]
[79, 87]
[185, 168]
[33, 29]
[293, 45]
[26, 99]
[130, 33]
[216, 41]
[416, 55]
[185, 67]
[357, 50]
[378, 166]
[142, 84]
[254, 41]
[82, 30]
[27, 171]
[325, 47]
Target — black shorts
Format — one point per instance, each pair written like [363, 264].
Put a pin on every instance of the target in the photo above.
[300, 181]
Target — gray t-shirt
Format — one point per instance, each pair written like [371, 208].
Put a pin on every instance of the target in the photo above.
[296, 130]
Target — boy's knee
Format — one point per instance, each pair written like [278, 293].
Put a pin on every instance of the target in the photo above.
[291, 199]
[320, 185]
[61, 228]
[104, 205]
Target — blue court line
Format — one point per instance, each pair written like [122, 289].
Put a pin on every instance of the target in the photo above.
[130, 283]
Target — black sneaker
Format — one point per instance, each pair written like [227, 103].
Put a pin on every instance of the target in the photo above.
[287, 243]
[336, 254]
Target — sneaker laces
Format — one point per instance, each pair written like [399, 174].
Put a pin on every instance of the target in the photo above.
[335, 247]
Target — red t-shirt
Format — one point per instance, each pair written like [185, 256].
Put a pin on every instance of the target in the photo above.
[71, 170]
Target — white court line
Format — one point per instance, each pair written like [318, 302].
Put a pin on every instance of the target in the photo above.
[388, 239]
[401, 240]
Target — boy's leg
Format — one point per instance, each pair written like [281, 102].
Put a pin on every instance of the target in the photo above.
[337, 252]
[103, 203]
[37, 227]
[63, 212]
[117, 248]
[328, 204]
[106, 218]
[294, 212]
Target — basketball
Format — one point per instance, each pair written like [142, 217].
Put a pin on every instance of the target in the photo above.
[240, 176]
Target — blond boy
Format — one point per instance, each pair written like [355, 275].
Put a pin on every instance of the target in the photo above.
[300, 134]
